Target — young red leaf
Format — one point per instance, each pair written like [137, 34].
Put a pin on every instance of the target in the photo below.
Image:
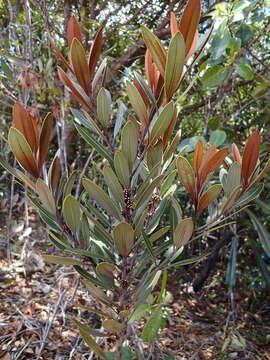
[250, 156]
[189, 22]
[236, 154]
[80, 66]
[193, 46]
[212, 164]
[208, 197]
[26, 124]
[67, 82]
[95, 51]
[60, 56]
[198, 155]
[173, 24]
[207, 155]
[73, 31]
[44, 139]
[149, 70]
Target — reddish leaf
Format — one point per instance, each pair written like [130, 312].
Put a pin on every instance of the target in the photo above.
[236, 154]
[26, 124]
[141, 91]
[59, 55]
[212, 164]
[189, 22]
[193, 46]
[183, 232]
[67, 82]
[73, 31]
[208, 197]
[198, 155]
[79, 63]
[250, 156]
[44, 139]
[208, 154]
[173, 24]
[150, 70]
[95, 51]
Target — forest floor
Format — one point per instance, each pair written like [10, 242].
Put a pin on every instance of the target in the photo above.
[37, 307]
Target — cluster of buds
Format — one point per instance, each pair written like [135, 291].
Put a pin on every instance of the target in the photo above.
[152, 206]
[127, 212]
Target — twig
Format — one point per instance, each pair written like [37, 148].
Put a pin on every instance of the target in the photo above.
[10, 213]
[82, 173]
[49, 324]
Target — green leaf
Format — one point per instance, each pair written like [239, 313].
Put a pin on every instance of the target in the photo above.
[250, 195]
[174, 64]
[123, 236]
[45, 215]
[231, 268]
[189, 261]
[88, 137]
[146, 195]
[233, 178]
[105, 269]
[261, 263]
[72, 213]
[113, 184]
[158, 234]
[122, 168]
[22, 151]
[129, 143]
[137, 103]
[61, 260]
[45, 196]
[70, 183]
[153, 325]
[84, 332]
[217, 137]
[148, 245]
[154, 158]
[215, 76]
[119, 117]
[97, 194]
[83, 118]
[160, 124]
[244, 71]
[156, 49]
[90, 278]
[139, 312]
[167, 184]
[104, 103]
[263, 234]
[112, 325]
